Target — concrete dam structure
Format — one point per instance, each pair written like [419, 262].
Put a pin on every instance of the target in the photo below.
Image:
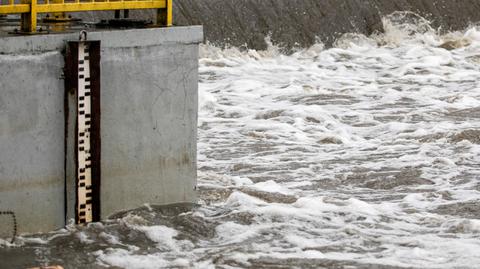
[147, 114]
[302, 23]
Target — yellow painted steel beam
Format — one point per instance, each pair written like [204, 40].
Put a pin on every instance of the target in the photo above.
[14, 9]
[33, 16]
[28, 21]
[96, 6]
[30, 8]
[164, 15]
[85, 6]
[169, 21]
[58, 15]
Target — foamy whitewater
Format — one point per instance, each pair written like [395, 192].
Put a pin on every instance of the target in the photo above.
[365, 155]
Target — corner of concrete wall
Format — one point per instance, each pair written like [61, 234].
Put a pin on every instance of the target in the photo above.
[149, 118]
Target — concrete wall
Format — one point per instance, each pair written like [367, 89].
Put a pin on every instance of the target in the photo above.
[31, 141]
[148, 123]
[149, 130]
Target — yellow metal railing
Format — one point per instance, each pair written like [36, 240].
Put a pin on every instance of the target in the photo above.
[30, 8]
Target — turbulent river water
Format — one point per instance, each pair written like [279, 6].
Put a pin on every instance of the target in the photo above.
[365, 155]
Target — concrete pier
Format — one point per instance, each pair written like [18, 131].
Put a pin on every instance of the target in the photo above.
[148, 123]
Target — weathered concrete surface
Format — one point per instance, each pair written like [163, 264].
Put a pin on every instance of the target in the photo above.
[149, 116]
[149, 121]
[31, 141]
[300, 23]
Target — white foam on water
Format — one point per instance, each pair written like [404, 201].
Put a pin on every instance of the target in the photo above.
[162, 235]
[125, 259]
[271, 186]
[362, 134]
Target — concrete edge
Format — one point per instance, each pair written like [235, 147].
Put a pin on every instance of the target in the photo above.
[110, 39]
